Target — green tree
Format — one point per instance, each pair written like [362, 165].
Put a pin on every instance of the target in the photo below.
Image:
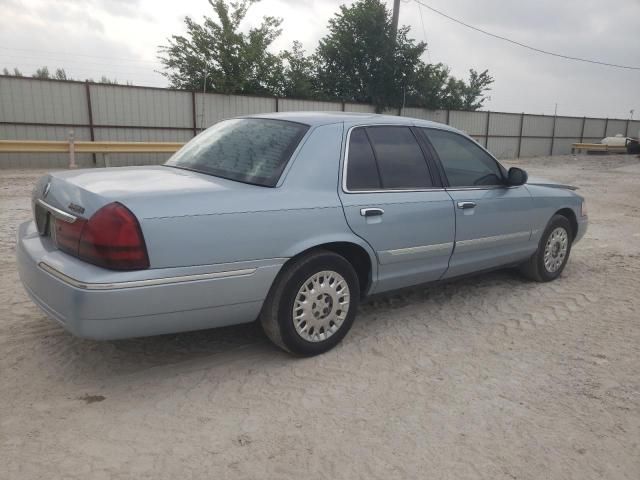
[217, 49]
[298, 78]
[108, 81]
[473, 96]
[429, 86]
[42, 72]
[61, 74]
[359, 60]
[435, 88]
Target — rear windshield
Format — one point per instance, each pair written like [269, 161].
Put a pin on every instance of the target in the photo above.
[250, 150]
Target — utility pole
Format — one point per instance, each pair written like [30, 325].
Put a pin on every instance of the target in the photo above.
[203, 125]
[394, 18]
[394, 40]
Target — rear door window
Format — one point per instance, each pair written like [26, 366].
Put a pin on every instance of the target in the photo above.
[400, 160]
[387, 158]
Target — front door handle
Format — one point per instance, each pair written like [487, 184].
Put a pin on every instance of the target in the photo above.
[465, 205]
[371, 212]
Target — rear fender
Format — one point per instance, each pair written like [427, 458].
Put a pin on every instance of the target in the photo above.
[318, 241]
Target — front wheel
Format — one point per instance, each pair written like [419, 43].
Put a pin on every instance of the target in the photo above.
[553, 251]
[312, 304]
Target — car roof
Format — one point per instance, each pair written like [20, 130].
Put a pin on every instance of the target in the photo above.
[349, 118]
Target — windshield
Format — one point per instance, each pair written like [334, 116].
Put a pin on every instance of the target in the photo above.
[250, 150]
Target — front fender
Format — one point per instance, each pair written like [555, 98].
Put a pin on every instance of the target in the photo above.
[549, 200]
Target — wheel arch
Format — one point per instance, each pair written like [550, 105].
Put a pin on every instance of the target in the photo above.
[570, 215]
[357, 252]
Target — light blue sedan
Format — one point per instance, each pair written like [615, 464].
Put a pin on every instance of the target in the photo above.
[289, 218]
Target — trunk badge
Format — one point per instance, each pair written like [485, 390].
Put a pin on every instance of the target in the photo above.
[76, 208]
[45, 192]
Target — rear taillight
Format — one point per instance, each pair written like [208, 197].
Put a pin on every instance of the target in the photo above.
[111, 238]
[67, 235]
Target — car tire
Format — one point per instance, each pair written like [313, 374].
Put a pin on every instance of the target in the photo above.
[312, 303]
[553, 251]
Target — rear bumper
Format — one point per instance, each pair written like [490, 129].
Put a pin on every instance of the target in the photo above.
[95, 303]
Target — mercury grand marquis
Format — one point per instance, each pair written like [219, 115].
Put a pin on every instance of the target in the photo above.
[289, 218]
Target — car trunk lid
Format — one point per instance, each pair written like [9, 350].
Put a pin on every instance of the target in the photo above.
[147, 191]
[100, 215]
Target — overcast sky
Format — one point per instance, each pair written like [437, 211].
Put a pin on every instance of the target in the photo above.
[119, 38]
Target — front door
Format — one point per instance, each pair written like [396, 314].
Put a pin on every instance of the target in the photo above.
[493, 226]
[394, 202]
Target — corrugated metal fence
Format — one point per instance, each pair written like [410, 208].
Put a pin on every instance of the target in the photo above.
[32, 109]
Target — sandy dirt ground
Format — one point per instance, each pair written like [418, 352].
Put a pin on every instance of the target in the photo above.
[491, 377]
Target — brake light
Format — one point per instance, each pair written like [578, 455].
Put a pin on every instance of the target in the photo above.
[111, 238]
[67, 235]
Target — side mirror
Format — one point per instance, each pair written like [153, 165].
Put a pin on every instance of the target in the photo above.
[517, 176]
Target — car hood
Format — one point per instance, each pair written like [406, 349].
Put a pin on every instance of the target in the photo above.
[149, 192]
[543, 182]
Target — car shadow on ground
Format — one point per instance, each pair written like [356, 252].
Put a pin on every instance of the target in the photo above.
[99, 360]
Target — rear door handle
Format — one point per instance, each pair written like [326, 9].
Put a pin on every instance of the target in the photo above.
[465, 205]
[371, 212]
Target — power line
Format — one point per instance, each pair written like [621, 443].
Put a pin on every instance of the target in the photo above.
[81, 70]
[72, 54]
[64, 63]
[424, 31]
[119, 67]
[514, 42]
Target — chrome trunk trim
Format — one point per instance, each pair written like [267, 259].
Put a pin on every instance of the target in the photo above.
[56, 212]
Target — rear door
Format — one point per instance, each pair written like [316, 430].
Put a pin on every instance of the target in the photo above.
[493, 220]
[393, 199]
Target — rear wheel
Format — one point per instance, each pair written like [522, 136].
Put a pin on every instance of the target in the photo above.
[553, 251]
[312, 303]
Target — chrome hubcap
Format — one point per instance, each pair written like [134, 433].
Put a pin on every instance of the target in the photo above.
[321, 306]
[555, 250]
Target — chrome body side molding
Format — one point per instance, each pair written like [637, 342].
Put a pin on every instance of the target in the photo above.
[490, 242]
[420, 249]
[419, 252]
[144, 283]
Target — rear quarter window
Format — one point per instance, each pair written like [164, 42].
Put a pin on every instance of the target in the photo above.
[362, 172]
